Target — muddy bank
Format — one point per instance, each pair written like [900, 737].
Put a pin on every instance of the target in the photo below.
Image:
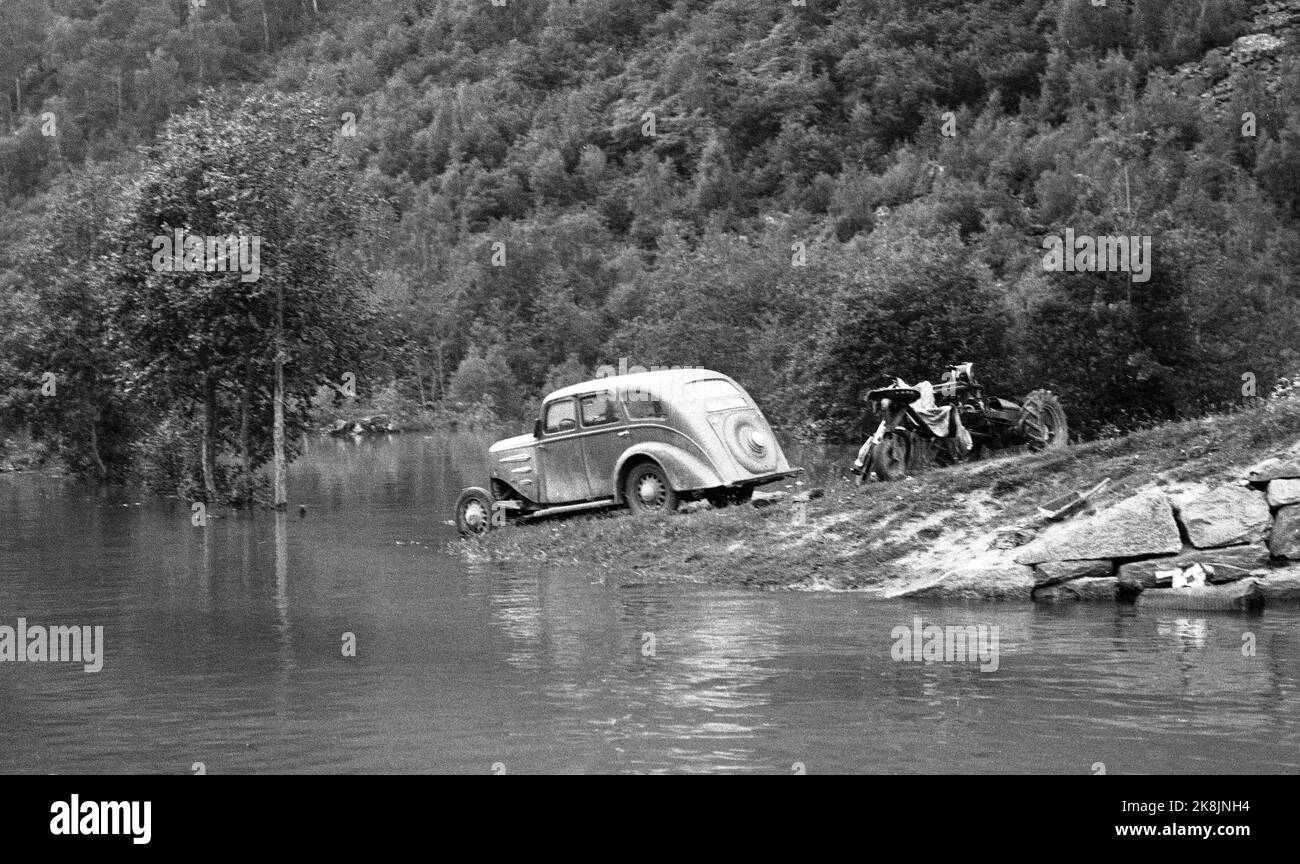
[974, 532]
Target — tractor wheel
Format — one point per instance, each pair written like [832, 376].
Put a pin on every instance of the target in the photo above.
[890, 457]
[1042, 422]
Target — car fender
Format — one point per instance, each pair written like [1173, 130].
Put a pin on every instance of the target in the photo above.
[685, 471]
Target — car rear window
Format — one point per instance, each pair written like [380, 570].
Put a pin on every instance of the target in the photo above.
[598, 409]
[644, 409]
[716, 394]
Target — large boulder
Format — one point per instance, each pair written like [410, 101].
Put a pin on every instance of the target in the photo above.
[985, 578]
[1245, 594]
[1137, 526]
[1284, 541]
[1281, 586]
[1275, 469]
[1227, 565]
[1150, 573]
[1086, 588]
[1055, 572]
[1226, 516]
[1282, 493]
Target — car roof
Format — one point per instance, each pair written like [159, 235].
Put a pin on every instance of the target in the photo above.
[646, 382]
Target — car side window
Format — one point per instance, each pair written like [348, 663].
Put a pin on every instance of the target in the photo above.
[560, 417]
[598, 409]
[644, 409]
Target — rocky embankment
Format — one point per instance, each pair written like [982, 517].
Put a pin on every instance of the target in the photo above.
[1274, 33]
[1235, 545]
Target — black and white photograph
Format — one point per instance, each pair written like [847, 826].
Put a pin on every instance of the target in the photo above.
[625, 387]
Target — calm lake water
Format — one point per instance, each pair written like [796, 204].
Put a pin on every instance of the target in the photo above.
[223, 646]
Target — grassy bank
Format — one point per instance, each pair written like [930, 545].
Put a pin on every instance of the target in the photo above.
[20, 452]
[878, 535]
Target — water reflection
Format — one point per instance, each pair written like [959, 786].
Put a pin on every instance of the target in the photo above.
[223, 646]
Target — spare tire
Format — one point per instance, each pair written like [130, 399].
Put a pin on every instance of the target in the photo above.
[1042, 424]
[750, 442]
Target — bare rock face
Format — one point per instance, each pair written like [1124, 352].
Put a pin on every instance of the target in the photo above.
[1282, 493]
[1141, 525]
[1226, 516]
[1141, 575]
[987, 578]
[1222, 565]
[1010, 538]
[1281, 586]
[1284, 541]
[1055, 572]
[1085, 588]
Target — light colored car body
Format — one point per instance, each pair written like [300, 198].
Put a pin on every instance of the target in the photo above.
[699, 426]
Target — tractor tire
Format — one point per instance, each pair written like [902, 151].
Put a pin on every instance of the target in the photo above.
[1042, 423]
[890, 457]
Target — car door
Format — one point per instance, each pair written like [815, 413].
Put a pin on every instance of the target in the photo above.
[559, 454]
[605, 437]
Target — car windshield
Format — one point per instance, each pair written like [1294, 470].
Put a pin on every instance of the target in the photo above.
[559, 416]
[716, 394]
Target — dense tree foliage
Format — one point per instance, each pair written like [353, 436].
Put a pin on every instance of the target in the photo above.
[806, 197]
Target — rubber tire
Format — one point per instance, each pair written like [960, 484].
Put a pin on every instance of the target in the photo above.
[720, 498]
[890, 456]
[751, 462]
[633, 481]
[1042, 408]
[465, 525]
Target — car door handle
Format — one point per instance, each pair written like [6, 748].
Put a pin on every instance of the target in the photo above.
[625, 433]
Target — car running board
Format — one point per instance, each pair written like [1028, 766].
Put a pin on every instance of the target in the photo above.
[571, 508]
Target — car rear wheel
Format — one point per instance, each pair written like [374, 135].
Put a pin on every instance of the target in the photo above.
[720, 498]
[473, 512]
[648, 491]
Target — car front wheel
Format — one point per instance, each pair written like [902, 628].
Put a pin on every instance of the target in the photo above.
[648, 491]
[473, 512]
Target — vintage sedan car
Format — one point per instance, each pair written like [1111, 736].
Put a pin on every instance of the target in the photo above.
[648, 440]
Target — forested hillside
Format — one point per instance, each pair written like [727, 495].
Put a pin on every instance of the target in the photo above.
[805, 195]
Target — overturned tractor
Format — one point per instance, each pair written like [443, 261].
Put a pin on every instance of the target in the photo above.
[953, 420]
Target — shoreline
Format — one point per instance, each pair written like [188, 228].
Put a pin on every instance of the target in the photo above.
[961, 533]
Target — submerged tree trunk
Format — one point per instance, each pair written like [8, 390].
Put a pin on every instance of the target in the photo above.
[281, 495]
[245, 463]
[207, 449]
[266, 31]
[100, 471]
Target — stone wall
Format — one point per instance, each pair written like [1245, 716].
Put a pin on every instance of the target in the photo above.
[1232, 546]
